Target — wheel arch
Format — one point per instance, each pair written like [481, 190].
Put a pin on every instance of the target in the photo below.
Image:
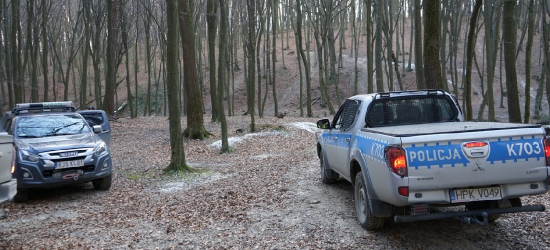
[378, 207]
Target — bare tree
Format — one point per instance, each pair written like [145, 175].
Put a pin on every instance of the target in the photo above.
[469, 56]
[305, 61]
[112, 38]
[251, 56]
[432, 65]
[212, 21]
[195, 120]
[418, 63]
[222, 72]
[177, 156]
[86, 52]
[509, 33]
[528, 49]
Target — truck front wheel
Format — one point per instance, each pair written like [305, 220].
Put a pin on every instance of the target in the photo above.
[362, 205]
[103, 183]
[328, 176]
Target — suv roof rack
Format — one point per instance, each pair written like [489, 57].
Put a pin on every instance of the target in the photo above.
[429, 91]
[22, 108]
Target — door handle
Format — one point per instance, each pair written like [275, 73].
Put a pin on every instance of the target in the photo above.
[347, 139]
[335, 138]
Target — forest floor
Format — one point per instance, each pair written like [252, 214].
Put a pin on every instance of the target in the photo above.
[266, 194]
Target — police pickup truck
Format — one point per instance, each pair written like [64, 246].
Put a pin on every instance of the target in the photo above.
[8, 185]
[411, 157]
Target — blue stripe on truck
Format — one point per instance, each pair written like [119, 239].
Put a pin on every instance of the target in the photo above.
[529, 148]
[439, 155]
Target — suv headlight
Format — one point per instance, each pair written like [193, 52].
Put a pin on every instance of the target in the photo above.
[27, 156]
[101, 149]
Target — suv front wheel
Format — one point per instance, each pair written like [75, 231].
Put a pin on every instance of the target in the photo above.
[103, 183]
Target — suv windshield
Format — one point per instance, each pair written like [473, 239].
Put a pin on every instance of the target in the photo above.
[51, 125]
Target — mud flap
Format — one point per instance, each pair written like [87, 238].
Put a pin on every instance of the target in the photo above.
[380, 208]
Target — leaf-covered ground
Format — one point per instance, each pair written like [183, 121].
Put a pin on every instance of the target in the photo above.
[266, 194]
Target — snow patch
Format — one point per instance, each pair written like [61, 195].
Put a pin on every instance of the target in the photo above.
[233, 140]
[308, 126]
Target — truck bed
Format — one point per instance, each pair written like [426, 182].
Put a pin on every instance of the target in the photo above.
[445, 128]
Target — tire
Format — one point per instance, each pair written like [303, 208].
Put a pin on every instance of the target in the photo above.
[21, 196]
[328, 176]
[481, 205]
[103, 183]
[362, 206]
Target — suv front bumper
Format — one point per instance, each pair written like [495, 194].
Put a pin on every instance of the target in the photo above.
[41, 177]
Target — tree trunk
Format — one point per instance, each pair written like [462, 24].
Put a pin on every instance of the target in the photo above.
[469, 58]
[211, 20]
[177, 156]
[15, 53]
[251, 50]
[274, 11]
[491, 35]
[528, 49]
[303, 56]
[432, 65]
[195, 119]
[370, 56]
[112, 39]
[86, 52]
[418, 64]
[509, 33]
[378, 54]
[222, 79]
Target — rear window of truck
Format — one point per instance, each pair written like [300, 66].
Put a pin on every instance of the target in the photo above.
[411, 110]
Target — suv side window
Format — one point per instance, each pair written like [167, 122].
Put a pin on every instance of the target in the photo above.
[346, 114]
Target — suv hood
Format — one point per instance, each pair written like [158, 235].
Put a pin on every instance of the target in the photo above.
[50, 143]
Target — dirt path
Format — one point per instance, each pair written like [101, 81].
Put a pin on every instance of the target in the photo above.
[267, 194]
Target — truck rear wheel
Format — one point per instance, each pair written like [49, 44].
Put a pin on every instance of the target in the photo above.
[328, 176]
[362, 205]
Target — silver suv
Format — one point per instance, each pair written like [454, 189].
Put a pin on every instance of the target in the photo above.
[55, 146]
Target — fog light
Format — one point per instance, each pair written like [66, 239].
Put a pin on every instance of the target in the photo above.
[26, 173]
[105, 164]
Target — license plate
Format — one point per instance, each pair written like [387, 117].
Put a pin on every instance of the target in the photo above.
[475, 194]
[69, 164]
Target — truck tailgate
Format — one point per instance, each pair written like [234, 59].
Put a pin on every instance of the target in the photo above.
[476, 158]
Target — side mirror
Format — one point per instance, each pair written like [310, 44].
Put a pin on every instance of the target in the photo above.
[323, 124]
[97, 129]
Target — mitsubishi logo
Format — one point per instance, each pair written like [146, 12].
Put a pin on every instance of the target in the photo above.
[478, 167]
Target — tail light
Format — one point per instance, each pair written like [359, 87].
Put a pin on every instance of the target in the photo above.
[396, 160]
[546, 142]
[403, 191]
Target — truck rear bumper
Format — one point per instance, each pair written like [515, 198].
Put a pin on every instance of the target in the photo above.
[435, 216]
[8, 190]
